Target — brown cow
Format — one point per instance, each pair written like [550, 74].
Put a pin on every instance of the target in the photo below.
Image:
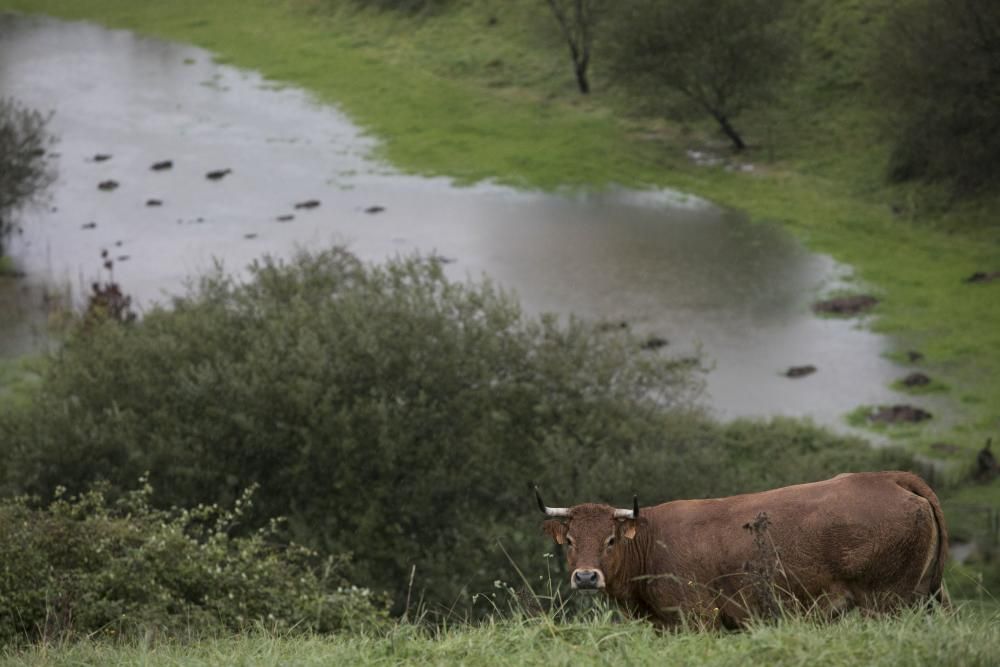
[875, 541]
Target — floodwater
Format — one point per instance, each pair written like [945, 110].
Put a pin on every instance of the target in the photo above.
[669, 265]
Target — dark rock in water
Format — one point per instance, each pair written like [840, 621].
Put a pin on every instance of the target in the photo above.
[846, 305]
[108, 185]
[898, 414]
[162, 165]
[250, 236]
[374, 209]
[983, 277]
[945, 447]
[101, 157]
[104, 254]
[108, 264]
[154, 202]
[654, 343]
[122, 258]
[218, 174]
[986, 463]
[118, 244]
[89, 225]
[312, 203]
[799, 371]
[914, 356]
[285, 218]
[604, 327]
[916, 380]
[441, 259]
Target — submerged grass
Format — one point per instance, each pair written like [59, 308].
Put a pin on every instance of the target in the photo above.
[970, 637]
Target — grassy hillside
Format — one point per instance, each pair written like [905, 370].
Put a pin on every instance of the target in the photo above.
[969, 639]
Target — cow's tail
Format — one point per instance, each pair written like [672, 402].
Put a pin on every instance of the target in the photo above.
[919, 487]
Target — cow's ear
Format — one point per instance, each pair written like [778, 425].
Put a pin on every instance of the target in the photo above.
[556, 529]
[627, 529]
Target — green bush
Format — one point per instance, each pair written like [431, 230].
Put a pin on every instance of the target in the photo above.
[391, 414]
[83, 565]
[937, 76]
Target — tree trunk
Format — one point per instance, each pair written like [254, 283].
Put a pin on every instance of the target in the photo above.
[731, 132]
[581, 78]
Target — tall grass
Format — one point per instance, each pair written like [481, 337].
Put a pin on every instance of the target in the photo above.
[969, 637]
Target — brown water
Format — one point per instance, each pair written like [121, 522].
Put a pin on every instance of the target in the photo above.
[668, 264]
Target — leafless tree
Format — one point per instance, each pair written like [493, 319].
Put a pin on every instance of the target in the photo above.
[721, 56]
[25, 173]
[577, 20]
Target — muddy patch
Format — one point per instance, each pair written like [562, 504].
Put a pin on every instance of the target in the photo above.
[846, 305]
[983, 277]
[916, 380]
[898, 414]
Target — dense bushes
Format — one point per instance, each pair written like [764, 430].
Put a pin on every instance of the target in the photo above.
[83, 565]
[391, 414]
[939, 76]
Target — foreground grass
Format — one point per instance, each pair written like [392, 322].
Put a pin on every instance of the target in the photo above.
[966, 638]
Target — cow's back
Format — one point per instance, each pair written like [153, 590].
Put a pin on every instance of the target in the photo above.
[874, 540]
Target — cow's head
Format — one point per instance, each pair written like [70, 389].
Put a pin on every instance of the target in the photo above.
[594, 537]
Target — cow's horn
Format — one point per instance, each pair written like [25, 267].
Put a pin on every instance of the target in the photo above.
[550, 511]
[629, 514]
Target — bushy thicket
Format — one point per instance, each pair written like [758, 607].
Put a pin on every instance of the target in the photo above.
[84, 566]
[939, 76]
[391, 414]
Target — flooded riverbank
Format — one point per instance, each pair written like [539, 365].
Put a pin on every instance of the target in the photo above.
[670, 266]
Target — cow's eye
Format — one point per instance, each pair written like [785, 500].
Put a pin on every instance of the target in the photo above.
[569, 540]
[611, 541]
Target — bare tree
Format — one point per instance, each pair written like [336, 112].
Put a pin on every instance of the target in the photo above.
[577, 20]
[722, 56]
[25, 174]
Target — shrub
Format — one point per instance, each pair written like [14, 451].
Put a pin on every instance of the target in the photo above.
[83, 565]
[936, 76]
[391, 414]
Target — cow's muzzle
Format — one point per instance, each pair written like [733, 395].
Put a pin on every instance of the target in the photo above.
[587, 579]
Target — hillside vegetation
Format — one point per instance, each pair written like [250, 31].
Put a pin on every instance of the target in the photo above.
[404, 370]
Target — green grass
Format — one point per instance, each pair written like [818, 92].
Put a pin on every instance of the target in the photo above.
[18, 377]
[7, 267]
[968, 638]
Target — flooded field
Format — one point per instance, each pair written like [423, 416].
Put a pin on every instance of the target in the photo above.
[256, 169]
